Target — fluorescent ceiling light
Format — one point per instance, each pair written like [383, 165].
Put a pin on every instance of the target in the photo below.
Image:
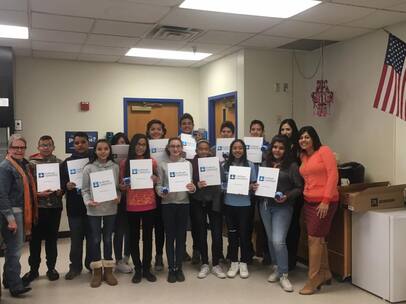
[166, 54]
[12, 31]
[264, 8]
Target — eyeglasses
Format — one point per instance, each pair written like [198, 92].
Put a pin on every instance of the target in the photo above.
[18, 147]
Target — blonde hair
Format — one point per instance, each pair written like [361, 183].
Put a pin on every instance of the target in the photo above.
[15, 137]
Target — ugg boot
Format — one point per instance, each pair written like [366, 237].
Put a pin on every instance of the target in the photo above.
[324, 266]
[108, 275]
[316, 277]
[96, 274]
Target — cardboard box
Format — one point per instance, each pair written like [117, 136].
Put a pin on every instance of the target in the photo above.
[371, 196]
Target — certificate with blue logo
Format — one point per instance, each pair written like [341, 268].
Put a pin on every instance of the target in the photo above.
[75, 171]
[189, 145]
[254, 146]
[119, 152]
[48, 177]
[268, 181]
[179, 176]
[103, 185]
[223, 147]
[239, 180]
[141, 173]
[157, 148]
[209, 170]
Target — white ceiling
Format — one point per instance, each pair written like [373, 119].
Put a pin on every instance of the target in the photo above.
[104, 30]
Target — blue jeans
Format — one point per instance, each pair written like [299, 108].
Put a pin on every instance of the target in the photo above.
[276, 220]
[14, 244]
[79, 230]
[96, 231]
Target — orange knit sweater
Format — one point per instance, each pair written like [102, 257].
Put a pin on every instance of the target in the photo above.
[320, 175]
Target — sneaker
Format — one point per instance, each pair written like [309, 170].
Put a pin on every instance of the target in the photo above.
[71, 274]
[29, 277]
[196, 257]
[186, 257]
[218, 272]
[285, 283]
[171, 276]
[52, 274]
[123, 267]
[137, 277]
[204, 271]
[274, 276]
[244, 271]
[149, 276]
[233, 270]
[159, 263]
[180, 277]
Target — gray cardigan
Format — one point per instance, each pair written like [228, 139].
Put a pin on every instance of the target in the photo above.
[105, 208]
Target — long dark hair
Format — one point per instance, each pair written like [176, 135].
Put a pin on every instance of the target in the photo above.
[155, 121]
[93, 156]
[117, 136]
[313, 135]
[295, 133]
[286, 159]
[231, 157]
[131, 150]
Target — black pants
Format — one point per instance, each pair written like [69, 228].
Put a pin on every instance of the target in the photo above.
[159, 229]
[293, 236]
[175, 218]
[135, 220]
[79, 230]
[121, 232]
[239, 221]
[46, 229]
[199, 212]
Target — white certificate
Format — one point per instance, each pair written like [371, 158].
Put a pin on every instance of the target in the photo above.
[254, 145]
[103, 186]
[157, 148]
[189, 145]
[141, 172]
[209, 170]
[48, 177]
[239, 180]
[119, 152]
[178, 176]
[223, 146]
[75, 170]
[268, 181]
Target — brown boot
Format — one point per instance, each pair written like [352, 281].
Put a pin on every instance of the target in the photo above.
[316, 278]
[96, 274]
[324, 266]
[108, 275]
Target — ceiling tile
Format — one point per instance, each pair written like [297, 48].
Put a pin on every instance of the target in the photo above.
[103, 9]
[296, 29]
[64, 23]
[175, 63]
[218, 21]
[56, 46]
[14, 18]
[400, 8]
[160, 44]
[57, 36]
[55, 55]
[371, 3]
[264, 41]
[102, 50]
[129, 29]
[222, 37]
[138, 60]
[18, 43]
[330, 13]
[17, 5]
[99, 58]
[159, 2]
[108, 40]
[205, 48]
[340, 33]
[379, 19]
[22, 52]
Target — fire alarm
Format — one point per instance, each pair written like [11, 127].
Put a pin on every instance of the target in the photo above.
[84, 106]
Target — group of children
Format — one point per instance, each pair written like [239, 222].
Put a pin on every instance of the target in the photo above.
[169, 213]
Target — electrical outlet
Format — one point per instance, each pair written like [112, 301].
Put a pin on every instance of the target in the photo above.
[277, 87]
[18, 125]
[285, 87]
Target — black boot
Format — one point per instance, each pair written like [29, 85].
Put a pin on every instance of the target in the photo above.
[149, 275]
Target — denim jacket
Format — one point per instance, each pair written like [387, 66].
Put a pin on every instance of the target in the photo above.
[11, 189]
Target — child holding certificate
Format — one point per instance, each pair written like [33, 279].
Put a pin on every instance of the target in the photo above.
[141, 205]
[102, 214]
[206, 202]
[276, 213]
[175, 210]
[238, 212]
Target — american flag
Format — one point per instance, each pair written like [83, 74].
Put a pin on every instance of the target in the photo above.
[390, 96]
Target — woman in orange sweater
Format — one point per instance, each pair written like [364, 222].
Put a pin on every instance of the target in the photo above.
[320, 174]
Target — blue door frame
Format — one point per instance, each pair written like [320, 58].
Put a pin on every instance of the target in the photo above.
[212, 119]
[127, 100]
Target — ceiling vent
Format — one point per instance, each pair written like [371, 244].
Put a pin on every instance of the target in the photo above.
[173, 33]
[306, 44]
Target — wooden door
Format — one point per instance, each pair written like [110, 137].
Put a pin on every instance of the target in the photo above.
[140, 113]
[224, 110]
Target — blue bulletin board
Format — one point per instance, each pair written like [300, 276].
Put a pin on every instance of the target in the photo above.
[69, 137]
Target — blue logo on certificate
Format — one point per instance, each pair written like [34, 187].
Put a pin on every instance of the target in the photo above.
[72, 171]
[96, 184]
[134, 171]
[202, 169]
[219, 148]
[248, 147]
[232, 176]
[153, 150]
[261, 178]
[41, 175]
[184, 143]
[171, 174]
